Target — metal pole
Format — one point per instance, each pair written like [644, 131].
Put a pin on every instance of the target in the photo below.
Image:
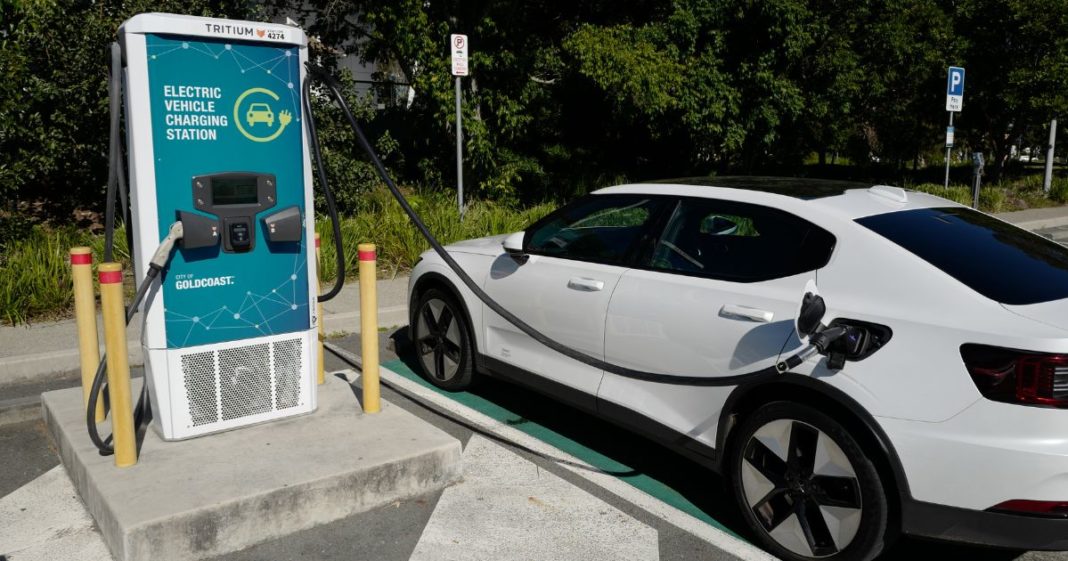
[949, 149]
[459, 153]
[122, 419]
[81, 264]
[1048, 179]
[368, 256]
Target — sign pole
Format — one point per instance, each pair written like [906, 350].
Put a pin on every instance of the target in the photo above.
[458, 48]
[459, 152]
[1047, 180]
[949, 147]
[954, 103]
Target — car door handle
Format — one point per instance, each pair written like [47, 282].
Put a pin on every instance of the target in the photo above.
[588, 285]
[734, 311]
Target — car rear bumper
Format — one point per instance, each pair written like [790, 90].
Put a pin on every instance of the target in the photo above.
[995, 529]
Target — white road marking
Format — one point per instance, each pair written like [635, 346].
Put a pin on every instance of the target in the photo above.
[508, 508]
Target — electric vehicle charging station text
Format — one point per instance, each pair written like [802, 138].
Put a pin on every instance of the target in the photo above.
[217, 141]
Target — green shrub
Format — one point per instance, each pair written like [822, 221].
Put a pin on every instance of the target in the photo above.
[35, 280]
[956, 193]
[35, 274]
[1058, 190]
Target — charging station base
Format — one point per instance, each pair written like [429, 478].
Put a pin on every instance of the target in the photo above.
[221, 493]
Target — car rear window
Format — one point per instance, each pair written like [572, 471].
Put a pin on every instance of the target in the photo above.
[1000, 261]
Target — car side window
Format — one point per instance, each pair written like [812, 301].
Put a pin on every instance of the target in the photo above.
[598, 228]
[739, 242]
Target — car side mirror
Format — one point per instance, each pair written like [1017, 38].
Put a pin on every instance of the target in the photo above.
[513, 244]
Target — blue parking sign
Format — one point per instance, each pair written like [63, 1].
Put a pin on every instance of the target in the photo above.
[955, 89]
[955, 81]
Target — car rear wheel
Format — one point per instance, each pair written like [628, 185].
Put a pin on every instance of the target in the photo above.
[805, 487]
[442, 341]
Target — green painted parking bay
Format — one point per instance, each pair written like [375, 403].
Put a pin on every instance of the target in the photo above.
[529, 413]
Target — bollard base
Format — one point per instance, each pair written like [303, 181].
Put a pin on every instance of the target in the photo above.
[221, 493]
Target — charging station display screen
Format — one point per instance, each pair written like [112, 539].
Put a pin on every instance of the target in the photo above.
[234, 191]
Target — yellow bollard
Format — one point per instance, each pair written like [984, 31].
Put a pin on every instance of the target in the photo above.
[319, 305]
[369, 328]
[113, 307]
[81, 267]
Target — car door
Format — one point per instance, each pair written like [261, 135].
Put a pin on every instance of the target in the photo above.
[574, 259]
[715, 295]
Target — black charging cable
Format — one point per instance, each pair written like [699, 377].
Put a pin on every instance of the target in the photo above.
[319, 73]
[328, 194]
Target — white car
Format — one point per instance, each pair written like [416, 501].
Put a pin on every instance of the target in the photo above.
[940, 414]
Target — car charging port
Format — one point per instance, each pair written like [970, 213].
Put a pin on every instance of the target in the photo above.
[860, 340]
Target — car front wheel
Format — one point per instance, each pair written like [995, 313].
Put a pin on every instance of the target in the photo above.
[442, 342]
[805, 487]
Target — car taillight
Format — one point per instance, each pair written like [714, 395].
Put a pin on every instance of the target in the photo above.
[1013, 376]
[1057, 509]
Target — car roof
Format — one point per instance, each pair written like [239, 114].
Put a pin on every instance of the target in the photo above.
[847, 199]
[797, 187]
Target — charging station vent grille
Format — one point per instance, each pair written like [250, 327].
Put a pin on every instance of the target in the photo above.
[287, 365]
[199, 369]
[242, 381]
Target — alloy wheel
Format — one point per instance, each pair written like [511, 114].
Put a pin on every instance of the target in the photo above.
[439, 339]
[802, 488]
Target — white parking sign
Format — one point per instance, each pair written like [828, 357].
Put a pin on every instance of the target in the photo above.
[458, 46]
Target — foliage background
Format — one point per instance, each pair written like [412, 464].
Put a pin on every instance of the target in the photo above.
[563, 97]
[569, 96]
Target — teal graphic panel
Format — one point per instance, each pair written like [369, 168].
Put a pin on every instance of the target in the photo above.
[228, 106]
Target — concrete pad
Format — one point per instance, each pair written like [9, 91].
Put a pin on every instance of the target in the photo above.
[44, 520]
[509, 508]
[220, 493]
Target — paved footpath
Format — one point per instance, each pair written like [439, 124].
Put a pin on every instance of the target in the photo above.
[522, 497]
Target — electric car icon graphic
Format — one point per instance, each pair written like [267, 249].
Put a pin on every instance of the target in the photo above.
[260, 113]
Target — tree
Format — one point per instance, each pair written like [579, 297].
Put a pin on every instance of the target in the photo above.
[54, 98]
[1017, 62]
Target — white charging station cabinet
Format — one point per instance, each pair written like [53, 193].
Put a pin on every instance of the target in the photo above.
[216, 136]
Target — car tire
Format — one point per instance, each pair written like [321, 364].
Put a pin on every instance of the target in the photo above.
[827, 503]
[444, 352]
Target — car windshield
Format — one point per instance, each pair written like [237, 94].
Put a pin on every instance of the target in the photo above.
[996, 259]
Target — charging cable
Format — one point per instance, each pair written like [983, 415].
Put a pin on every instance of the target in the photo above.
[159, 260]
[783, 366]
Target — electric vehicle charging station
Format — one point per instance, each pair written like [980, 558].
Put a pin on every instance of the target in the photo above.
[217, 141]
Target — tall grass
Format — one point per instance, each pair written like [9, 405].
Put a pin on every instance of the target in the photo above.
[994, 198]
[399, 243]
[35, 280]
